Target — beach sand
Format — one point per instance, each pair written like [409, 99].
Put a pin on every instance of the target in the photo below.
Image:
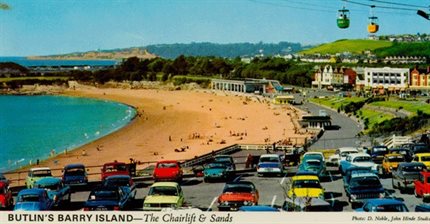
[193, 122]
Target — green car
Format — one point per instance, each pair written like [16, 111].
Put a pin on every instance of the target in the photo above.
[314, 165]
[215, 171]
[35, 174]
[164, 195]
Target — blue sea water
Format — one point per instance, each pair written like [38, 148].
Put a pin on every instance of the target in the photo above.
[32, 126]
[27, 62]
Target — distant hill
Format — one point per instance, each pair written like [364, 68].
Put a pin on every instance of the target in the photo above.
[353, 46]
[405, 49]
[192, 49]
[117, 54]
[224, 50]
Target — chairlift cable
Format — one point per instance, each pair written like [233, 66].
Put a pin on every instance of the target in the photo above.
[399, 4]
[379, 6]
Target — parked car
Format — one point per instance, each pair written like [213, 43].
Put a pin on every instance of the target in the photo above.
[305, 186]
[33, 200]
[403, 178]
[75, 175]
[383, 205]
[35, 174]
[306, 205]
[2, 177]
[125, 182]
[6, 199]
[391, 162]
[114, 168]
[237, 194]
[377, 153]
[422, 186]
[164, 195]
[168, 170]
[258, 208]
[340, 154]
[362, 187]
[353, 170]
[314, 155]
[57, 191]
[270, 164]
[227, 160]
[215, 171]
[358, 159]
[107, 199]
[313, 165]
[422, 208]
[420, 148]
[422, 158]
[403, 151]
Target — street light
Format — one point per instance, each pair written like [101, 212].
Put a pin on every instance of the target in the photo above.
[423, 14]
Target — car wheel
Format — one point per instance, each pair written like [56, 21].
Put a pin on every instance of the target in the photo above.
[69, 198]
[205, 180]
[340, 170]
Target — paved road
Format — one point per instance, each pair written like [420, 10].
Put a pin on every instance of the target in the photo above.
[347, 130]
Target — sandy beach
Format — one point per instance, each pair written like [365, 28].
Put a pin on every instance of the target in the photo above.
[192, 122]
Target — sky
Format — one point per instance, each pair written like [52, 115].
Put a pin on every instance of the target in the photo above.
[44, 27]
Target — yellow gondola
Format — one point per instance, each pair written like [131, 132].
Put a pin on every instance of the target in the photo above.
[373, 26]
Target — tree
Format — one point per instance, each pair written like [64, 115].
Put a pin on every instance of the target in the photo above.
[180, 65]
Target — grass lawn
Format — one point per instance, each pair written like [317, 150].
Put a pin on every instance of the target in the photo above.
[336, 102]
[411, 106]
[353, 46]
[374, 116]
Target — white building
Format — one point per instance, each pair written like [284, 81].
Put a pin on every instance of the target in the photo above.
[328, 77]
[386, 77]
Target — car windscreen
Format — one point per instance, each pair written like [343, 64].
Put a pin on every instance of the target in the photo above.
[115, 168]
[362, 159]
[395, 159]
[118, 182]
[421, 148]
[414, 169]
[269, 160]
[53, 187]
[215, 166]
[390, 208]
[163, 190]
[75, 172]
[28, 198]
[306, 184]
[167, 165]
[223, 159]
[365, 182]
[103, 195]
[313, 163]
[241, 188]
[41, 173]
[425, 158]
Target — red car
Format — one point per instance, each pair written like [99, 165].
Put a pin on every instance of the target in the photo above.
[114, 168]
[422, 186]
[237, 194]
[168, 170]
[6, 199]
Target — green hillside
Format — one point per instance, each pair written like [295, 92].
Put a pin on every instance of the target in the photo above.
[405, 49]
[353, 46]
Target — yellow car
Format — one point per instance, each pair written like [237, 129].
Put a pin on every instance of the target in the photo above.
[422, 158]
[306, 186]
[391, 162]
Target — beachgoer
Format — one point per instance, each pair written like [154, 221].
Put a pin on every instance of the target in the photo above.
[84, 153]
[249, 162]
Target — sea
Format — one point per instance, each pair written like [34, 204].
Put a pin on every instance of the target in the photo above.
[29, 62]
[35, 127]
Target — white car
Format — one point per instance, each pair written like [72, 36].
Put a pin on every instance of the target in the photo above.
[340, 154]
[270, 164]
[358, 159]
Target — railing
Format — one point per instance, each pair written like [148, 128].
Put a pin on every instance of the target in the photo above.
[395, 141]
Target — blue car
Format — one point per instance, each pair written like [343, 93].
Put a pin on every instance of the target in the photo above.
[314, 165]
[57, 191]
[35, 199]
[258, 208]
[422, 208]
[215, 171]
[124, 182]
[107, 199]
[75, 175]
[383, 205]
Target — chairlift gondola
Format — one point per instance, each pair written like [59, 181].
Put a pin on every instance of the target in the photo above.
[373, 26]
[343, 18]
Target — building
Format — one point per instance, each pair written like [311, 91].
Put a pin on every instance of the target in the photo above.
[328, 77]
[260, 86]
[386, 78]
[420, 80]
